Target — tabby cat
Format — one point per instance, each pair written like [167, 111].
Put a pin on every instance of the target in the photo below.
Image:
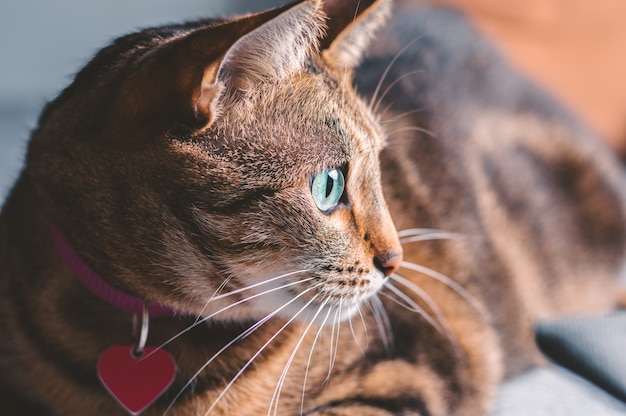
[225, 179]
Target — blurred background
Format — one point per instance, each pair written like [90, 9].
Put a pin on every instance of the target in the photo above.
[576, 48]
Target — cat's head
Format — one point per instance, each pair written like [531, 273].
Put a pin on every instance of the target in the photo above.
[191, 161]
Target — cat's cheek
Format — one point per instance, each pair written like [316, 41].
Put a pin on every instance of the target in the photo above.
[312, 298]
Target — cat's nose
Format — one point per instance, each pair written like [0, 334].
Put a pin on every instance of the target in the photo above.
[389, 263]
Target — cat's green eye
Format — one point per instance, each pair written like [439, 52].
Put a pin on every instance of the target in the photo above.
[327, 188]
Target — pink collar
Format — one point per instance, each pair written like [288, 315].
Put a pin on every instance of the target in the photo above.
[93, 282]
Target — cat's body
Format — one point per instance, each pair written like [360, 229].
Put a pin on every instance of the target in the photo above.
[170, 179]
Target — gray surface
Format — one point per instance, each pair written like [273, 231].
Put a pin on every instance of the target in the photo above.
[592, 346]
[553, 391]
[15, 124]
[43, 43]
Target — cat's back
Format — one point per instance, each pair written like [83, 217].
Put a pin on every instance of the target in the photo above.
[453, 104]
[478, 149]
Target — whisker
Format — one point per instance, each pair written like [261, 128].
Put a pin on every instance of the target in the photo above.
[448, 282]
[411, 235]
[388, 68]
[218, 290]
[367, 337]
[331, 345]
[222, 285]
[334, 341]
[264, 282]
[391, 85]
[308, 363]
[411, 128]
[239, 337]
[421, 293]
[388, 110]
[256, 354]
[398, 116]
[345, 68]
[247, 364]
[281, 381]
[434, 307]
[429, 237]
[356, 339]
[382, 321]
[411, 305]
[232, 305]
[418, 232]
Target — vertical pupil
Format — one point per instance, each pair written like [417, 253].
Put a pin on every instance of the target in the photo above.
[327, 189]
[329, 185]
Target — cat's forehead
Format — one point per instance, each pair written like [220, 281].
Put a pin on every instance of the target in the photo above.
[314, 117]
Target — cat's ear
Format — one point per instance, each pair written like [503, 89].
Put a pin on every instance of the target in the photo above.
[351, 26]
[273, 50]
[182, 81]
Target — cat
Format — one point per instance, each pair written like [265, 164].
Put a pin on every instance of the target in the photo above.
[233, 189]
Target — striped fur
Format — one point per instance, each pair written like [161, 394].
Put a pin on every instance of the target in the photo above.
[179, 164]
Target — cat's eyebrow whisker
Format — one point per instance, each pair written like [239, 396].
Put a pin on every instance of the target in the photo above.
[383, 323]
[398, 116]
[365, 151]
[391, 85]
[411, 128]
[283, 376]
[434, 307]
[460, 290]
[408, 303]
[260, 350]
[350, 37]
[388, 68]
[387, 110]
[264, 282]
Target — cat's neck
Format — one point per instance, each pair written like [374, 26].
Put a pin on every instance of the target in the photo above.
[80, 269]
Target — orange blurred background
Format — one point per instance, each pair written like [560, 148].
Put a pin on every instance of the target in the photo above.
[575, 48]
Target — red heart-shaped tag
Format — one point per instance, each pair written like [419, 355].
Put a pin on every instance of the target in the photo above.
[136, 382]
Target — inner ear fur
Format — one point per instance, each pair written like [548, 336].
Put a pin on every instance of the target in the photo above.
[351, 26]
[181, 82]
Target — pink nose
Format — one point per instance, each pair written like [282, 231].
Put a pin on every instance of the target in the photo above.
[389, 264]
